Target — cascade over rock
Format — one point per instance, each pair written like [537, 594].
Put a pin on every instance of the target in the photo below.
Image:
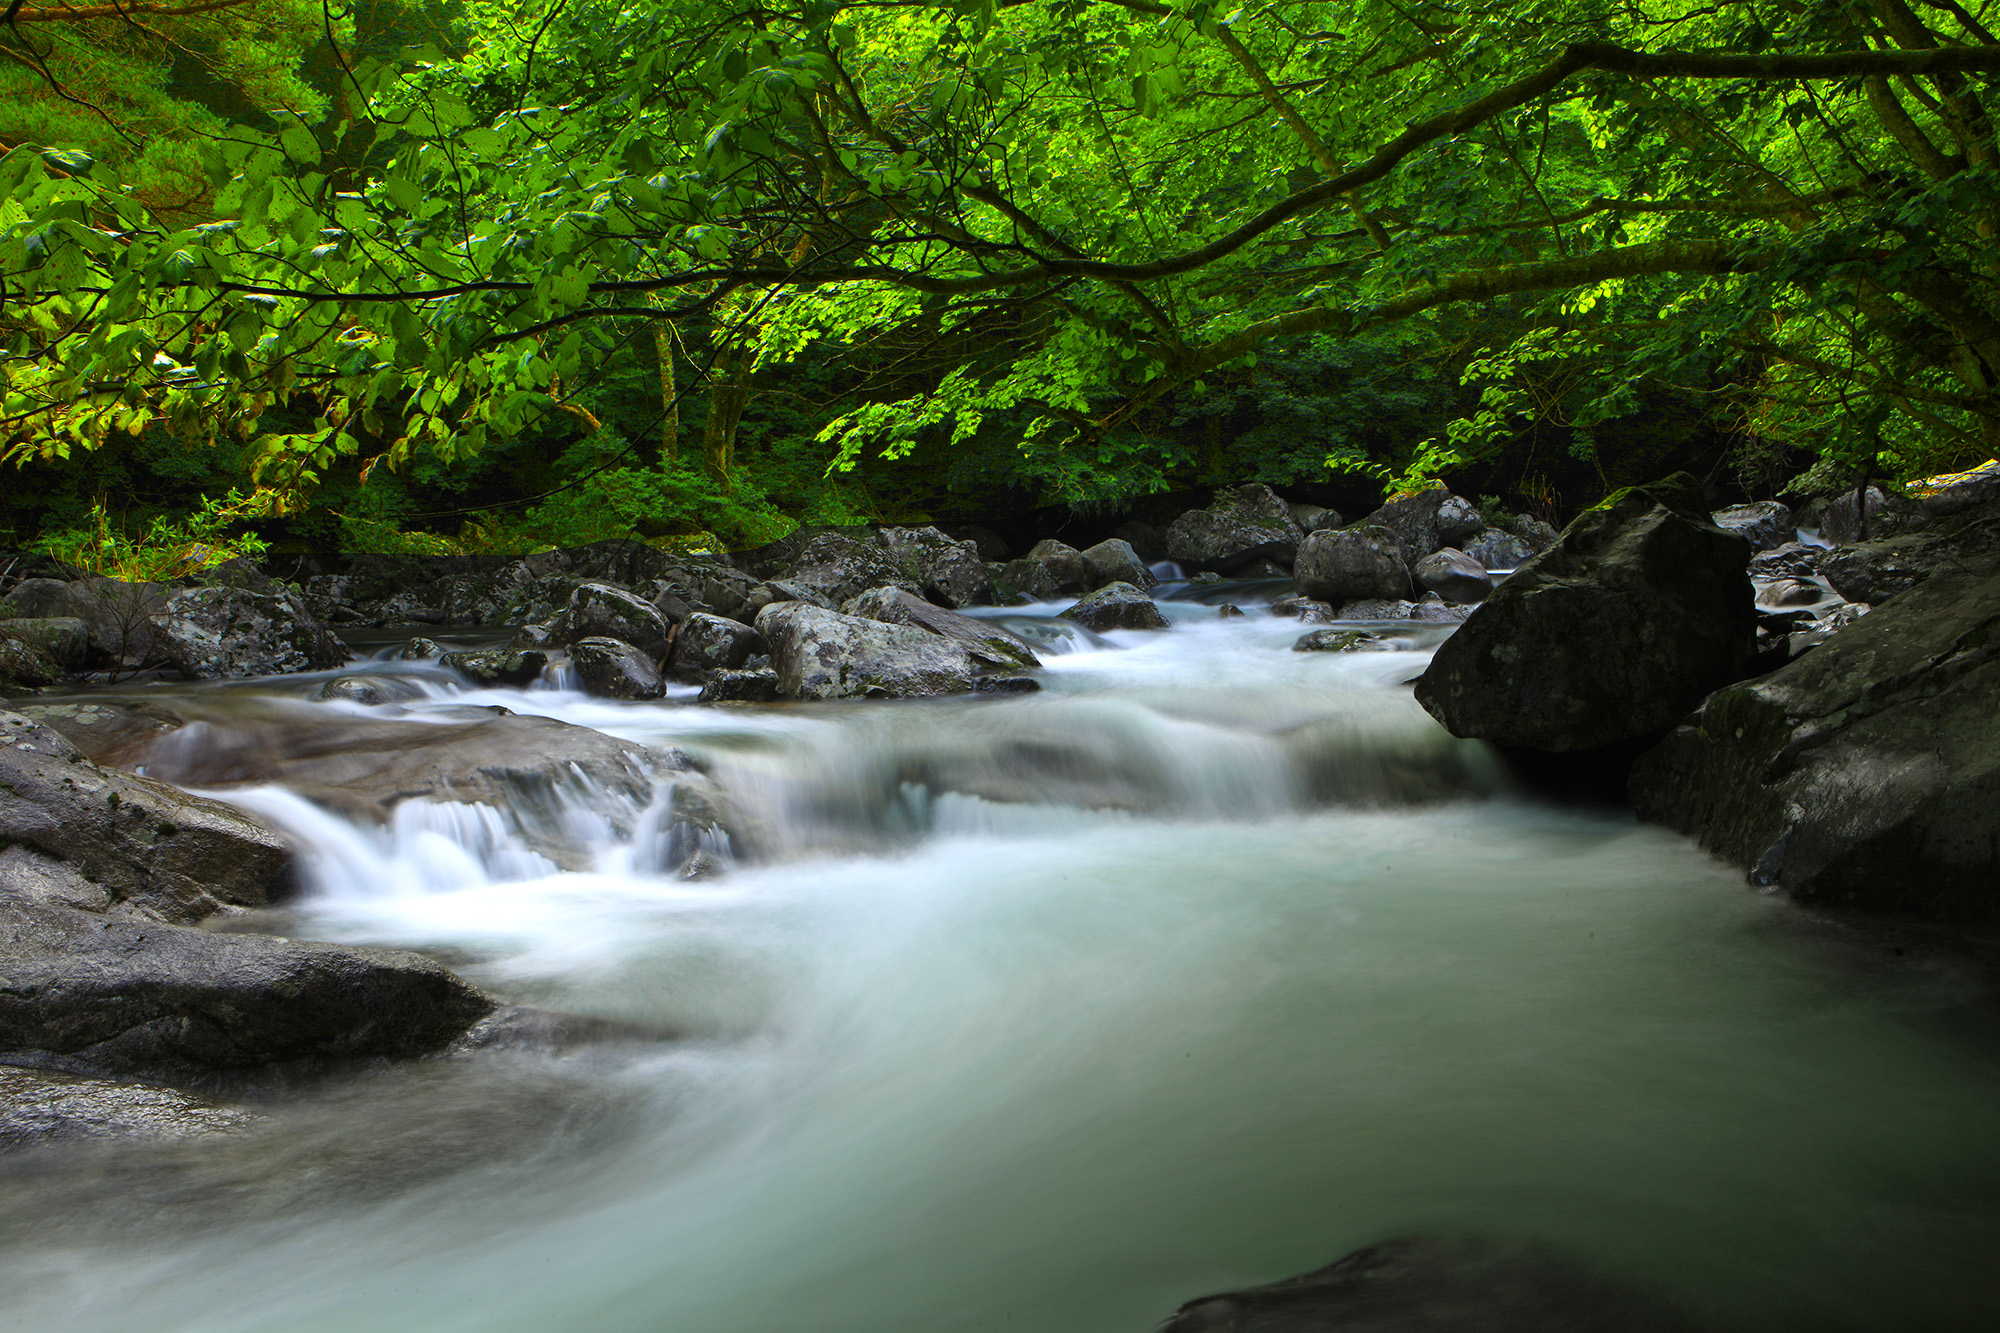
[1864, 774]
[1612, 634]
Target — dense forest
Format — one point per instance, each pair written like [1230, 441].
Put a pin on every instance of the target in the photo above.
[491, 277]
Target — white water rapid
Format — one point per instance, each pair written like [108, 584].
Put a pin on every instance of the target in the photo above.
[1207, 965]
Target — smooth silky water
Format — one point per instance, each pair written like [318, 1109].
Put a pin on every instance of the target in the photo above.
[1205, 966]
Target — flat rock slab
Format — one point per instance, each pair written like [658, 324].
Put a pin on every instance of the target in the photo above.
[39, 1107]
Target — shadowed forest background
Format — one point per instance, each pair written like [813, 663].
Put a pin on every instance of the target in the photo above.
[489, 277]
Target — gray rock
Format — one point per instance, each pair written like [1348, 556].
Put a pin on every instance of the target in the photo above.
[1875, 571]
[1419, 520]
[64, 640]
[498, 666]
[1376, 608]
[820, 654]
[1813, 630]
[1790, 592]
[704, 643]
[1360, 561]
[1312, 518]
[1333, 641]
[1454, 576]
[1116, 606]
[38, 1107]
[1434, 609]
[96, 994]
[211, 633]
[1429, 1284]
[22, 664]
[1494, 549]
[373, 690]
[144, 845]
[1114, 561]
[1958, 491]
[115, 613]
[1766, 525]
[758, 686]
[37, 599]
[1238, 527]
[1062, 565]
[838, 566]
[420, 650]
[600, 611]
[1791, 560]
[613, 669]
[105, 730]
[1614, 633]
[950, 571]
[1307, 609]
[992, 647]
[1227, 611]
[1866, 773]
[1457, 522]
[1850, 516]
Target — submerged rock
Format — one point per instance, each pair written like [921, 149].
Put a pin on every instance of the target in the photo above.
[39, 1107]
[499, 666]
[373, 690]
[1339, 565]
[1116, 606]
[1614, 633]
[1432, 1284]
[1864, 774]
[1237, 528]
[1333, 641]
[94, 994]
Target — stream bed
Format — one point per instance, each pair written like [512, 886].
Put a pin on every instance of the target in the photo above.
[1204, 966]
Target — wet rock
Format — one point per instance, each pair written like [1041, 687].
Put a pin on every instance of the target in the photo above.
[372, 690]
[756, 686]
[600, 611]
[1791, 560]
[1006, 685]
[1228, 612]
[779, 590]
[1434, 609]
[1865, 774]
[950, 571]
[1359, 561]
[64, 640]
[1238, 527]
[1116, 606]
[1766, 525]
[1818, 629]
[145, 845]
[107, 732]
[96, 994]
[613, 669]
[212, 633]
[1614, 633]
[38, 1107]
[1875, 571]
[1420, 519]
[705, 643]
[1851, 516]
[1114, 561]
[1454, 576]
[1049, 570]
[1494, 549]
[1376, 608]
[821, 654]
[498, 666]
[1429, 1284]
[420, 649]
[1333, 641]
[1312, 517]
[1309, 610]
[1790, 592]
[991, 646]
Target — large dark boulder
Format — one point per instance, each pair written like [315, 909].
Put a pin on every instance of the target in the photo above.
[614, 669]
[1434, 1284]
[1114, 561]
[1335, 565]
[1766, 525]
[991, 646]
[1426, 521]
[838, 565]
[601, 611]
[1612, 634]
[137, 843]
[1240, 527]
[821, 654]
[93, 994]
[1864, 774]
[1049, 570]
[705, 643]
[1116, 606]
[1454, 576]
[215, 632]
[936, 565]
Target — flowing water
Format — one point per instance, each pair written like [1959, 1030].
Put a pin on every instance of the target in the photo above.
[1206, 965]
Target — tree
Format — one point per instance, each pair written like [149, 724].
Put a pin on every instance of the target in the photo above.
[1057, 212]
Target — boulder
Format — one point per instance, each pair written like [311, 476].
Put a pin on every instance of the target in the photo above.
[1791, 560]
[779, 590]
[64, 640]
[38, 1107]
[991, 646]
[1457, 522]
[758, 686]
[498, 666]
[1494, 549]
[1308, 610]
[141, 844]
[1790, 592]
[1434, 1284]
[1311, 517]
[1237, 528]
[950, 571]
[373, 690]
[102, 995]
[600, 611]
[1614, 633]
[705, 643]
[1766, 525]
[1228, 611]
[217, 632]
[1873, 572]
[1454, 576]
[1376, 608]
[1854, 515]
[114, 613]
[24, 665]
[1116, 606]
[1864, 774]
[837, 566]
[1360, 561]
[990, 545]
[820, 654]
[1958, 491]
[1114, 561]
[613, 669]
[1062, 565]
[1420, 520]
[1333, 641]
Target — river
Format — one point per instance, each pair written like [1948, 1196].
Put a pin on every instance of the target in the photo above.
[1208, 964]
